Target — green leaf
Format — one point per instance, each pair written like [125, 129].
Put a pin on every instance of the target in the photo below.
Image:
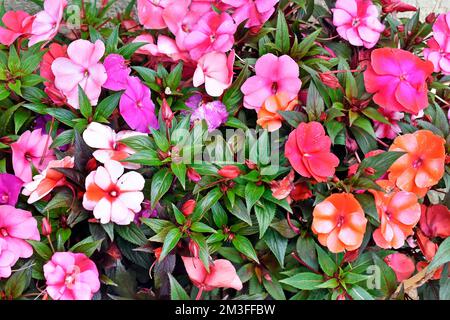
[264, 214]
[374, 114]
[113, 40]
[274, 288]
[240, 211]
[179, 216]
[444, 284]
[13, 60]
[176, 290]
[277, 244]
[65, 137]
[132, 234]
[367, 202]
[306, 250]
[62, 235]
[314, 104]
[206, 203]
[161, 182]
[201, 227]
[130, 48]
[293, 118]
[326, 263]
[63, 115]
[358, 293]
[388, 278]
[171, 240]
[253, 194]
[107, 106]
[306, 44]
[157, 225]
[160, 140]
[364, 124]
[243, 245]
[365, 141]
[174, 77]
[20, 117]
[220, 217]
[87, 246]
[442, 256]
[282, 34]
[84, 103]
[179, 169]
[19, 281]
[304, 281]
[147, 74]
[41, 249]
[380, 163]
[203, 252]
[145, 157]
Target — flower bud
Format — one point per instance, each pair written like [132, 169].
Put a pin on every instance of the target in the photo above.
[329, 80]
[229, 172]
[193, 175]
[157, 252]
[251, 165]
[369, 171]
[351, 256]
[400, 28]
[46, 228]
[193, 248]
[188, 207]
[91, 165]
[430, 18]
[166, 113]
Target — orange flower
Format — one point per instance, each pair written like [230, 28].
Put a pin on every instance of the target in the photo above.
[399, 212]
[268, 116]
[339, 222]
[423, 164]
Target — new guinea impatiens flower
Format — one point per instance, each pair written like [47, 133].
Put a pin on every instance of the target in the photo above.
[357, 22]
[81, 68]
[31, 149]
[256, 12]
[423, 164]
[213, 32]
[55, 51]
[438, 51]
[435, 221]
[268, 116]
[112, 195]
[46, 22]
[17, 24]
[391, 130]
[399, 212]
[136, 107]
[108, 143]
[47, 180]
[308, 151]
[161, 14]
[214, 113]
[16, 226]
[397, 78]
[71, 276]
[339, 222]
[402, 265]
[273, 74]
[215, 70]
[10, 186]
[222, 274]
[117, 72]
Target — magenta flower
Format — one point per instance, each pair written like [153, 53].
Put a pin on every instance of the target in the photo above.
[390, 131]
[213, 32]
[273, 74]
[71, 276]
[10, 187]
[17, 23]
[256, 12]
[82, 68]
[46, 23]
[215, 70]
[438, 51]
[117, 71]
[136, 107]
[214, 113]
[16, 226]
[357, 22]
[31, 149]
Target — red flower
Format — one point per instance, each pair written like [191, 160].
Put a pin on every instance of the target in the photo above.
[229, 172]
[402, 265]
[435, 221]
[301, 191]
[308, 151]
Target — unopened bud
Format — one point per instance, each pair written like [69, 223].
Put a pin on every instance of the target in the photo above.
[369, 171]
[91, 165]
[193, 175]
[166, 113]
[229, 171]
[400, 28]
[188, 207]
[193, 248]
[330, 80]
[46, 228]
[157, 252]
[251, 165]
[430, 18]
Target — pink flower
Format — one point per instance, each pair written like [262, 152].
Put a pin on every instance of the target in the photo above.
[16, 226]
[396, 6]
[117, 72]
[215, 70]
[222, 274]
[17, 23]
[82, 68]
[273, 74]
[10, 187]
[398, 80]
[390, 131]
[55, 51]
[108, 143]
[151, 48]
[31, 149]
[49, 179]
[357, 22]
[159, 14]
[402, 265]
[46, 23]
[256, 12]
[435, 221]
[438, 51]
[112, 195]
[71, 276]
[136, 107]
[213, 32]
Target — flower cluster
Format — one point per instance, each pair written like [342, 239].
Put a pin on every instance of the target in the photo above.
[215, 149]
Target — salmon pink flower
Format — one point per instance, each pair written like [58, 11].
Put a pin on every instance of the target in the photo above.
[17, 23]
[31, 149]
[435, 221]
[402, 265]
[71, 276]
[136, 107]
[390, 131]
[308, 151]
[423, 164]
[10, 187]
[55, 51]
[268, 116]
[215, 70]
[46, 23]
[428, 247]
[357, 22]
[112, 195]
[438, 51]
[398, 80]
[281, 189]
[117, 72]
[108, 143]
[81, 68]
[256, 12]
[222, 274]
[47, 180]
[16, 226]
[339, 222]
[213, 32]
[399, 212]
[273, 74]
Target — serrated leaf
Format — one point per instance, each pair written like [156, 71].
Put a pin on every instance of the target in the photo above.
[161, 182]
[304, 281]
[243, 245]
[171, 240]
[176, 290]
